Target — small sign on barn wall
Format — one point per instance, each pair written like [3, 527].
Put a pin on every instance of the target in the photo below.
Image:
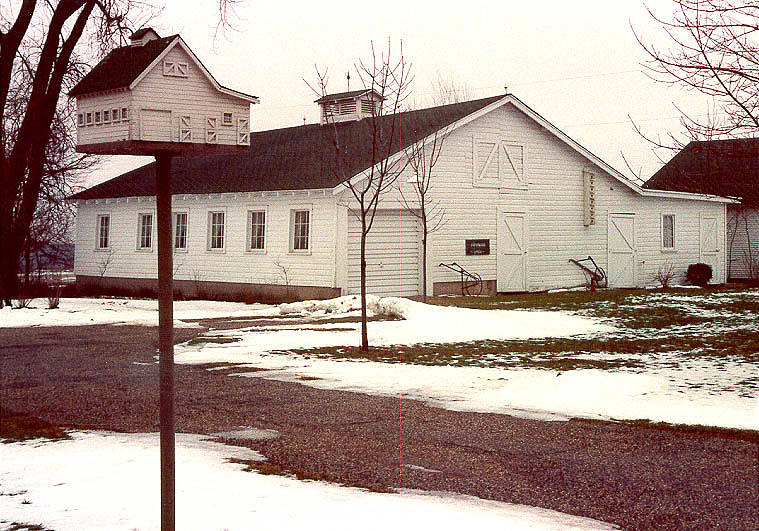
[477, 247]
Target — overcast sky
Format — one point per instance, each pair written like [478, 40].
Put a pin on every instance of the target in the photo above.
[576, 63]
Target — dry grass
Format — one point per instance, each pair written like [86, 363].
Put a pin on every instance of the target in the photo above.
[20, 427]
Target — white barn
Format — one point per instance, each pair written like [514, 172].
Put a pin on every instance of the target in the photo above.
[727, 167]
[278, 219]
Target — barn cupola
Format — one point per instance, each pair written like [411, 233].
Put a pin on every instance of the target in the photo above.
[349, 106]
[143, 36]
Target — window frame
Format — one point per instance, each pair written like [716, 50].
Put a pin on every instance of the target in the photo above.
[140, 232]
[249, 229]
[209, 231]
[309, 241]
[98, 246]
[224, 121]
[174, 215]
[663, 247]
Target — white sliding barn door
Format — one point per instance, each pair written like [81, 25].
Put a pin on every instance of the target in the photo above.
[512, 252]
[621, 246]
[392, 254]
[710, 247]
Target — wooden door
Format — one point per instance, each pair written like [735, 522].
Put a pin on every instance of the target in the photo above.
[155, 125]
[709, 246]
[621, 247]
[512, 252]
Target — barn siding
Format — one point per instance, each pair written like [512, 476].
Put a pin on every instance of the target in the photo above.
[553, 202]
[234, 263]
[743, 241]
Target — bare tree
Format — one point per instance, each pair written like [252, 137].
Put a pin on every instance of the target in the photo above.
[103, 263]
[39, 59]
[422, 159]
[389, 77]
[714, 49]
[446, 90]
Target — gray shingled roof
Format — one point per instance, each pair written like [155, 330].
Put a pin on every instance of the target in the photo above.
[719, 167]
[121, 67]
[293, 158]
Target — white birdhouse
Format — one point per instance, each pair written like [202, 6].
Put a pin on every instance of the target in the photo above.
[156, 96]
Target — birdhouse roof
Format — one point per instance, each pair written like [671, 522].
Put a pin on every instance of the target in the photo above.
[124, 67]
[121, 67]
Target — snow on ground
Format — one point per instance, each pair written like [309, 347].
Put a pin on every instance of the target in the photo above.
[75, 312]
[664, 394]
[669, 388]
[101, 480]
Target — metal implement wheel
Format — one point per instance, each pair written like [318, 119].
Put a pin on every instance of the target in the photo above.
[474, 284]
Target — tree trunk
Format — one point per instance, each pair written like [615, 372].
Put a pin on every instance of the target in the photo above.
[364, 334]
[27, 263]
[424, 263]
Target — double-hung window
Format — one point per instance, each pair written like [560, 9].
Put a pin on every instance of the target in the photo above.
[103, 231]
[216, 231]
[668, 232]
[145, 231]
[256, 230]
[180, 231]
[300, 230]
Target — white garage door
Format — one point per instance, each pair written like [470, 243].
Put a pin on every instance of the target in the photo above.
[393, 249]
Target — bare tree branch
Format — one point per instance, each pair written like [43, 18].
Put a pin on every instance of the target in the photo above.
[714, 49]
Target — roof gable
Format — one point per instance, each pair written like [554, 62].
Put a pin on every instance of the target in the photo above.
[722, 167]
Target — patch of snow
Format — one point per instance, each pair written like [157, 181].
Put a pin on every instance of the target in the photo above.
[422, 469]
[251, 434]
[100, 480]
[669, 387]
[84, 311]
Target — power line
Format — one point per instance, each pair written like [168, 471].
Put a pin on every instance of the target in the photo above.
[494, 87]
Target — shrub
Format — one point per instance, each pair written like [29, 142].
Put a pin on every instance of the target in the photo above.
[23, 302]
[54, 296]
[699, 274]
[665, 274]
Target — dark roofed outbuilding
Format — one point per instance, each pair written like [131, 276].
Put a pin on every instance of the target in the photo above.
[720, 167]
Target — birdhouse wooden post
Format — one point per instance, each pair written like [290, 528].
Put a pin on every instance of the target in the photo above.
[154, 97]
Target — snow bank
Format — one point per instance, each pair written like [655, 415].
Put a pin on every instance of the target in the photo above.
[348, 305]
[101, 480]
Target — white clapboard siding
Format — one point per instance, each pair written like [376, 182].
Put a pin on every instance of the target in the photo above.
[392, 254]
[110, 131]
[232, 264]
[553, 203]
[743, 242]
[192, 96]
